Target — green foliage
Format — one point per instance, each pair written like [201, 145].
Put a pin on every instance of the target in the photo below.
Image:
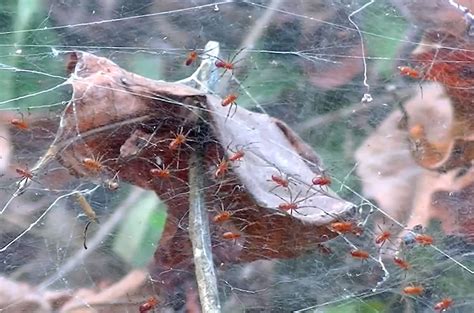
[20, 83]
[382, 33]
[270, 77]
[146, 65]
[140, 231]
[367, 306]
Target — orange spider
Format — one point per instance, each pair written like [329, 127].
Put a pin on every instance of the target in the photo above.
[222, 217]
[424, 240]
[227, 65]
[401, 263]
[24, 173]
[342, 227]
[444, 304]
[408, 71]
[413, 290]
[20, 124]
[231, 236]
[346, 227]
[178, 140]
[237, 156]
[280, 181]
[222, 168]
[224, 64]
[238, 153]
[148, 305]
[321, 181]
[230, 100]
[383, 237]
[192, 57]
[161, 172]
[291, 205]
[92, 164]
[360, 254]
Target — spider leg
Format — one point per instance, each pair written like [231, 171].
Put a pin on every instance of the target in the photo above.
[235, 55]
[235, 110]
[222, 75]
[230, 109]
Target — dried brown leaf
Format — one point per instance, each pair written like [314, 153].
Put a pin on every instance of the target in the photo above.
[129, 122]
[20, 297]
[389, 173]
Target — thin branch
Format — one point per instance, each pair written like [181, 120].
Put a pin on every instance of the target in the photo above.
[206, 77]
[200, 236]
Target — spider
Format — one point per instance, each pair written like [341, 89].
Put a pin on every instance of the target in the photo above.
[279, 180]
[224, 215]
[25, 174]
[161, 172]
[291, 205]
[222, 168]
[228, 65]
[191, 58]
[179, 139]
[238, 153]
[230, 100]
[360, 254]
[94, 164]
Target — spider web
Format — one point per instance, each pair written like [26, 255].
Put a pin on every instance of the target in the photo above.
[326, 68]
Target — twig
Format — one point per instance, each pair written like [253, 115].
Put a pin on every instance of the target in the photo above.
[200, 236]
[198, 219]
[206, 77]
[104, 231]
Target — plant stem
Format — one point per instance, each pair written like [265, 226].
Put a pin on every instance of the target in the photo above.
[200, 236]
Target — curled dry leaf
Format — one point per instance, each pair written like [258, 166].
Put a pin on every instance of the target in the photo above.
[272, 148]
[129, 125]
[126, 294]
[388, 171]
[441, 136]
[21, 297]
[447, 59]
